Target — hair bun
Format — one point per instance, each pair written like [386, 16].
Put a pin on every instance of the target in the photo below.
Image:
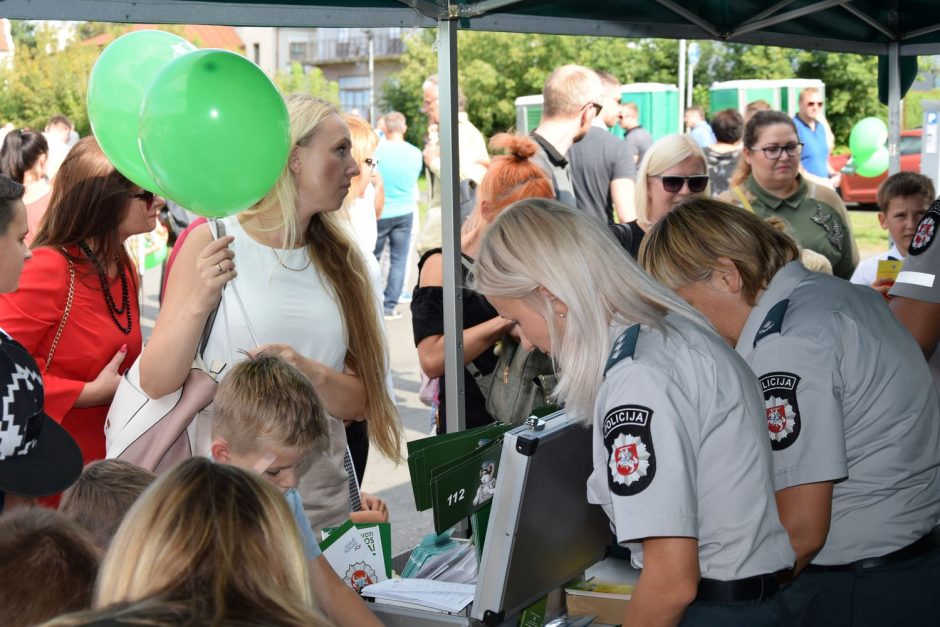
[519, 146]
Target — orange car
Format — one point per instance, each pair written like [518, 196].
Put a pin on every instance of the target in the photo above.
[862, 189]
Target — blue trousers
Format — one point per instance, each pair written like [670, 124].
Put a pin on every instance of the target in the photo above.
[397, 232]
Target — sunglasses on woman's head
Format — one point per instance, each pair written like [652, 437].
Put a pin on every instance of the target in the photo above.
[673, 184]
[147, 197]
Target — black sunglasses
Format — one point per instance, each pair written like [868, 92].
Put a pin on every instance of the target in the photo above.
[147, 197]
[673, 184]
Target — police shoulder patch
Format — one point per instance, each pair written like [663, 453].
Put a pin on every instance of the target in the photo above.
[783, 411]
[629, 441]
[773, 322]
[926, 230]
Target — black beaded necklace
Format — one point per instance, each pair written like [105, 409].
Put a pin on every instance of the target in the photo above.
[125, 309]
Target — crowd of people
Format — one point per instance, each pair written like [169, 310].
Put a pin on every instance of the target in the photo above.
[766, 435]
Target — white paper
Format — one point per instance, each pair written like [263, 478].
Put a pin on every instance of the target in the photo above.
[438, 595]
[352, 560]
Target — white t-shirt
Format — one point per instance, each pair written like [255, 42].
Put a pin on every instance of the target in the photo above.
[867, 269]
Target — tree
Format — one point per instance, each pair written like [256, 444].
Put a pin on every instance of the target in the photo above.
[312, 82]
[43, 82]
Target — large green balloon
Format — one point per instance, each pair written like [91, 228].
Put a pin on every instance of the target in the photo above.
[116, 88]
[868, 135]
[214, 132]
[875, 165]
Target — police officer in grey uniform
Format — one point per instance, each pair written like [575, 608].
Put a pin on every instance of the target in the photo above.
[681, 462]
[916, 292]
[851, 412]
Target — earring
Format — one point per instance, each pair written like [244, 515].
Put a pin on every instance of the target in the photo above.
[562, 315]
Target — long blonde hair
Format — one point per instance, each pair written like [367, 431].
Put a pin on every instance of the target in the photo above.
[213, 543]
[335, 255]
[542, 243]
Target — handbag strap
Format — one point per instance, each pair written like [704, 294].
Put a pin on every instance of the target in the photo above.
[65, 313]
[210, 321]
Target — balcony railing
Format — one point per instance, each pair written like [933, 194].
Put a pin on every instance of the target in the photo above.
[353, 48]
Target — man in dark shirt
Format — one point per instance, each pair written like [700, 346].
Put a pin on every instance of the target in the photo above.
[571, 99]
[602, 169]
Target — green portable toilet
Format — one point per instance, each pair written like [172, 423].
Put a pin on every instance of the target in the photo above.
[658, 105]
[782, 94]
[528, 113]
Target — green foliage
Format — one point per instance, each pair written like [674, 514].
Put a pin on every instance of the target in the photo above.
[23, 33]
[41, 84]
[495, 68]
[913, 110]
[312, 82]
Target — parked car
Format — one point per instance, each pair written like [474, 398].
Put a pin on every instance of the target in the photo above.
[862, 189]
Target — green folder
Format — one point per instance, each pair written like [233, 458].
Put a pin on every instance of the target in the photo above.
[464, 485]
[427, 454]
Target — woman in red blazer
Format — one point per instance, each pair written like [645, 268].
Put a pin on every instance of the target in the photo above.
[76, 310]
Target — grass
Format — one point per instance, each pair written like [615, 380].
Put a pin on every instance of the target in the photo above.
[869, 235]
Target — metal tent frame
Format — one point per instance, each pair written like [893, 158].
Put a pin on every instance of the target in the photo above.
[893, 28]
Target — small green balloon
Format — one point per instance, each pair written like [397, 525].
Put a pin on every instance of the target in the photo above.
[875, 165]
[214, 132]
[867, 136]
[116, 87]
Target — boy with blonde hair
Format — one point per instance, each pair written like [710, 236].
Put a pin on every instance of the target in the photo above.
[102, 495]
[267, 419]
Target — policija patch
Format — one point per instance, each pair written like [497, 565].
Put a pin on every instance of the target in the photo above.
[926, 231]
[783, 412]
[629, 441]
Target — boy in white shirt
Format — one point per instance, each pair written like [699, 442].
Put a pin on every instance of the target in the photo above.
[902, 201]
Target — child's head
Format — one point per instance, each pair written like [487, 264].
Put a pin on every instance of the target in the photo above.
[267, 416]
[903, 199]
[48, 567]
[104, 492]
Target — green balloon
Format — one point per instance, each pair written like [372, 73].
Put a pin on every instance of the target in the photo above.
[214, 132]
[116, 89]
[868, 135]
[875, 165]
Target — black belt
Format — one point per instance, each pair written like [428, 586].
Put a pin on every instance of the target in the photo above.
[920, 547]
[757, 588]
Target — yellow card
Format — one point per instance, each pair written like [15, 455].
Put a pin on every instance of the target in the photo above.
[888, 269]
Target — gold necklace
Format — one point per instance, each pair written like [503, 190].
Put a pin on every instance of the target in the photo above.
[287, 267]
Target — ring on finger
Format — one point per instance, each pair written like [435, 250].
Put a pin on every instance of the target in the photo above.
[221, 269]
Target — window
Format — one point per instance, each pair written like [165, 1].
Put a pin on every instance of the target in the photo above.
[297, 51]
[256, 53]
[354, 94]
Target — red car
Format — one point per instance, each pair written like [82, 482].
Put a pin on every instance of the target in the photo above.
[864, 190]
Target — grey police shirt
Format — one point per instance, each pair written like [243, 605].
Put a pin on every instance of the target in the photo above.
[680, 449]
[848, 399]
[918, 278]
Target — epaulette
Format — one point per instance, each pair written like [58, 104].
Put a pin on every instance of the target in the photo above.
[773, 323]
[624, 347]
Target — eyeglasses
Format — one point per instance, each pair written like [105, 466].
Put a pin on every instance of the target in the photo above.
[147, 197]
[597, 107]
[372, 163]
[775, 152]
[673, 184]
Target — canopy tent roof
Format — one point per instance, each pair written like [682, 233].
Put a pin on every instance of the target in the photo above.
[862, 26]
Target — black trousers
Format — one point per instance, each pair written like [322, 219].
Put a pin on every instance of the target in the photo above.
[357, 437]
[782, 610]
[905, 594]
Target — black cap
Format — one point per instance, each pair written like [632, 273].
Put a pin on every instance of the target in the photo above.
[37, 456]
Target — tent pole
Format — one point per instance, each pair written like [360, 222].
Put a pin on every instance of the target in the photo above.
[681, 85]
[894, 107]
[450, 219]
